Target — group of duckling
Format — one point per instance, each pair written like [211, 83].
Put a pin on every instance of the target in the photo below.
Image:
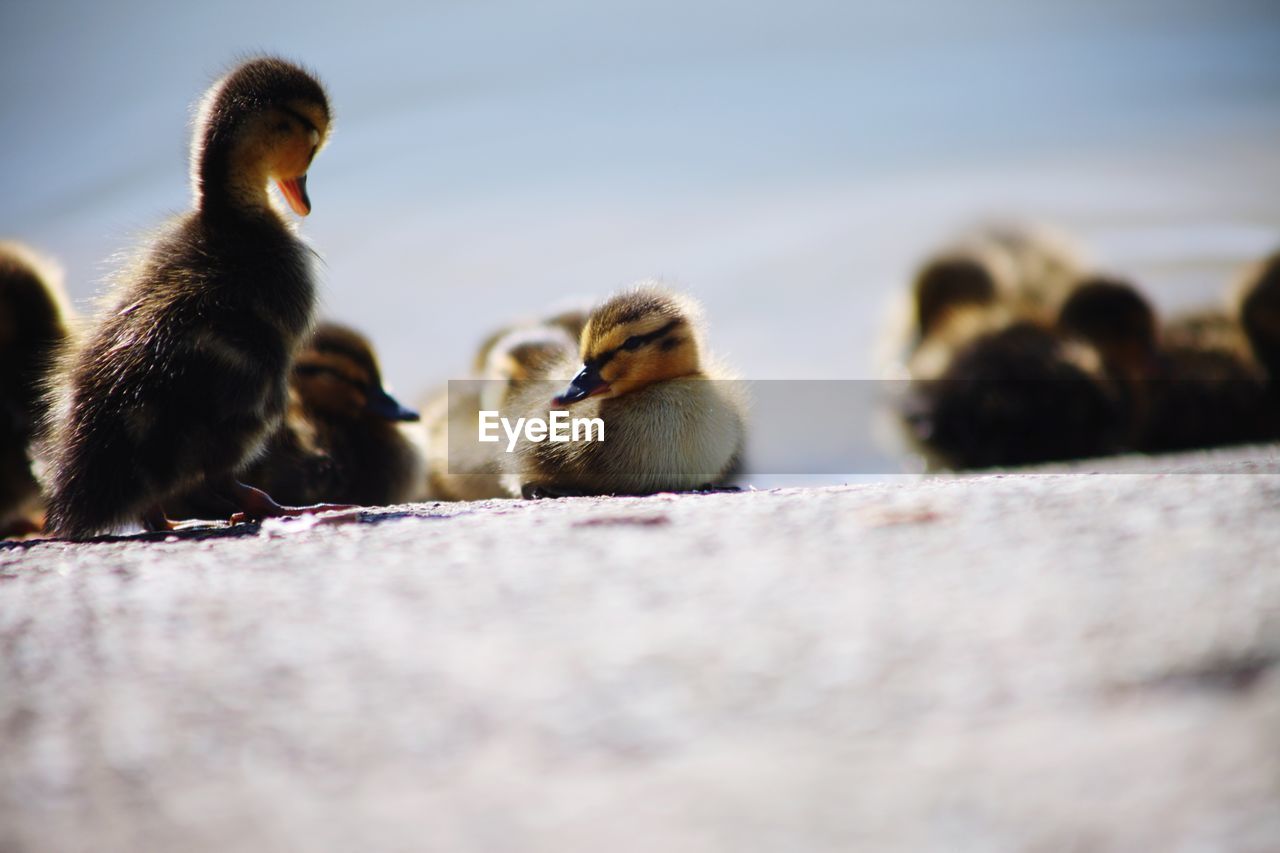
[1020, 353]
[202, 386]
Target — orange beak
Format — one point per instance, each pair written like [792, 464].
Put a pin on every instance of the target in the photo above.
[294, 191]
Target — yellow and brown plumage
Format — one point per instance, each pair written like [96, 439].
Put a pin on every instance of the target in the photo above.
[674, 420]
[183, 375]
[33, 324]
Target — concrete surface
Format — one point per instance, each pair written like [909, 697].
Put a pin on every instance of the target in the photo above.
[1021, 662]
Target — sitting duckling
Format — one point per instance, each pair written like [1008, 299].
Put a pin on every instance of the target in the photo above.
[184, 376]
[465, 469]
[354, 420]
[33, 325]
[644, 371]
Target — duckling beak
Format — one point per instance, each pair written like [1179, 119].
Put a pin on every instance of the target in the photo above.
[385, 406]
[586, 384]
[294, 191]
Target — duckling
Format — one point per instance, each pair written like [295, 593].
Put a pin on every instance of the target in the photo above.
[644, 371]
[34, 317]
[463, 468]
[184, 375]
[351, 416]
[1113, 317]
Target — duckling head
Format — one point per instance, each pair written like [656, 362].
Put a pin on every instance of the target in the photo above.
[265, 121]
[1116, 319]
[336, 376]
[639, 337]
[950, 282]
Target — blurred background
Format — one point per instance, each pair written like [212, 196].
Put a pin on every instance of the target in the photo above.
[789, 163]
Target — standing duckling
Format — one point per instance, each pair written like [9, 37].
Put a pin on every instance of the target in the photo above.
[185, 374]
[33, 324]
[669, 425]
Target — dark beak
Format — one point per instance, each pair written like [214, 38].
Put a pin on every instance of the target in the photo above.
[587, 383]
[383, 405]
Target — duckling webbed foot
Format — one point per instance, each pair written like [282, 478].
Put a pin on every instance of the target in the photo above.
[256, 504]
[713, 488]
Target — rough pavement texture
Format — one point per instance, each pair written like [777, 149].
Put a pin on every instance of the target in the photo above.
[1049, 662]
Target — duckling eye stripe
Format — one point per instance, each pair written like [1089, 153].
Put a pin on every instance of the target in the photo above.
[605, 357]
[316, 370]
[306, 122]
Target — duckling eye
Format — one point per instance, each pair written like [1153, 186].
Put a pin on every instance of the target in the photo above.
[633, 343]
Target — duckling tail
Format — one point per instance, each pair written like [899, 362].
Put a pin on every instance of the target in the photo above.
[90, 492]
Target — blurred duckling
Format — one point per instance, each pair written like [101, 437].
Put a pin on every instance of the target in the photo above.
[34, 317]
[464, 468]
[184, 375]
[1112, 316]
[643, 370]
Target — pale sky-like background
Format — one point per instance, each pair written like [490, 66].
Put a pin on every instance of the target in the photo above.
[789, 163]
